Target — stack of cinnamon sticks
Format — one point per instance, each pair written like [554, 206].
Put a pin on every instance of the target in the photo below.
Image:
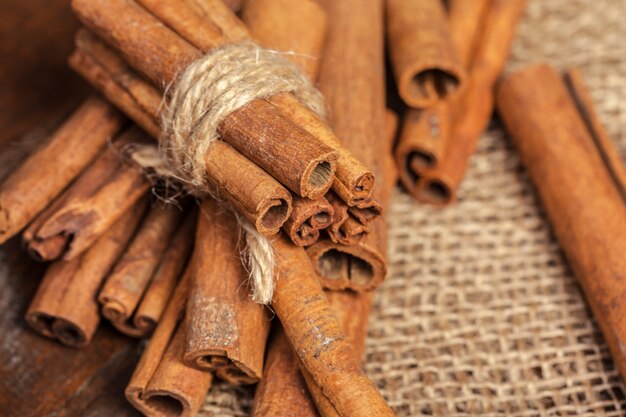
[130, 243]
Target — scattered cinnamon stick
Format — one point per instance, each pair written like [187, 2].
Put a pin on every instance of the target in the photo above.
[95, 201]
[315, 335]
[226, 330]
[426, 133]
[474, 109]
[30, 188]
[162, 285]
[426, 66]
[65, 306]
[352, 80]
[258, 130]
[161, 384]
[564, 150]
[250, 190]
[307, 219]
[124, 288]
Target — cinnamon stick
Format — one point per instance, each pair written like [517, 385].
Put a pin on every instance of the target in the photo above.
[352, 311]
[95, 201]
[296, 28]
[65, 306]
[352, 80]
[576, 184]
[426, 133]
[30, 188]
[226, 330]
[282, 391]
[315, 335]
[170, 268]
[161, 384]
[307, 219]
[250, 190]
[426, 66]
[131, 276]
[258, 130]
[473, 111]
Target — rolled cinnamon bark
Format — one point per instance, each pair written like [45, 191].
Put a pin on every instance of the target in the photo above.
[250, 190]
[30, 188]
[352, 80]
[307, 219]
[131, 276]
[94, 202]
[226, 330]
[296, 28]
[577, 188]
[352, 311]
[65, 306]
[258, 130]
[473, 111]
[315, 335]
[162, 285]
[161, 384]
[282, 391]
[425, 63]
[426, 133]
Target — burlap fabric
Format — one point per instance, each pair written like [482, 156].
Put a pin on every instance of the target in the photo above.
[480, 314]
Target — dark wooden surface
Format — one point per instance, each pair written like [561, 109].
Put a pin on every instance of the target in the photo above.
[39, 377]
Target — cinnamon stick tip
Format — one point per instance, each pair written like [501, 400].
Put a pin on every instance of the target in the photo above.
[69, 334]
[435, 191]
[319, 175]
[422, 87]
[157, 403]
[273, 215]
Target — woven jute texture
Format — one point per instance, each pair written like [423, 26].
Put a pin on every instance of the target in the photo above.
[480, 314]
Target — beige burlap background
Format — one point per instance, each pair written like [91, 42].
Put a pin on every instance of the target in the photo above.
[480, 314]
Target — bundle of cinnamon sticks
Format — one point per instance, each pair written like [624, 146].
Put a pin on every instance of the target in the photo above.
[132, 243]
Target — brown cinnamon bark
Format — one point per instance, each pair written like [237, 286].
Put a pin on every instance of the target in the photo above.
[131, 276]
[282, 391]
[473, 111]
[315, 335]
[352, 80]
[296, 28]
[577, 188]
[161, 384]
[352, 311]
[170, 268]
[258, 130]
[250, 190]
[95, 201]
[426, 133]
[307, 219]
[65, 306]
[30, 188]
[425, 63]
[226, 330]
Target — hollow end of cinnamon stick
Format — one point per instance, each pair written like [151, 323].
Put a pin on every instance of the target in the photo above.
[423, 87]
[435, 191]
[158, 402]
[217, 362]
[44, 250]
[273, 215]
[341, 267]
[318, 177]
[69, 333]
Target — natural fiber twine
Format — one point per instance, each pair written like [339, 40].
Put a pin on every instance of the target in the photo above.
[480, 315]
[203, 95]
